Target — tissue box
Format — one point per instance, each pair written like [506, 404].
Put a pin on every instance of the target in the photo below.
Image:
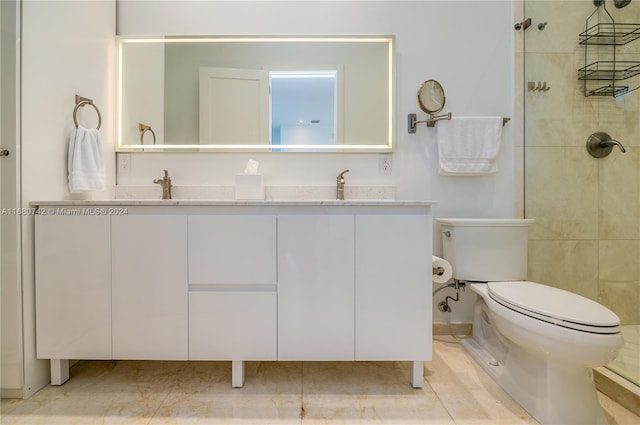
[249, 186]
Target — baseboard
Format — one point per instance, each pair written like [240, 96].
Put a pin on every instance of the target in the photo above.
[452, 328]
[618, 389]
[11, 393]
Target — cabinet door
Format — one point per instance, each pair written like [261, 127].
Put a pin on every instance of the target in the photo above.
[232, 249]
[393, 287]
[150, 303]
[315, 287]
[73, 286]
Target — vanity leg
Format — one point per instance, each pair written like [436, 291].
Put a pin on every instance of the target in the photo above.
[417, 374]
[237, 373]
[59, 371]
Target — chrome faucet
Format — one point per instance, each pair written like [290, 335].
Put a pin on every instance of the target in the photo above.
[166, 185]
[340, 186]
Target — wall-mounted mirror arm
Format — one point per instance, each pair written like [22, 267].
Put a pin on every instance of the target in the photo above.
[430, 122]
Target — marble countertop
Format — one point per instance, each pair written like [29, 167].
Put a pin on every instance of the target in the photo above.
[300, 196]
[230, 202]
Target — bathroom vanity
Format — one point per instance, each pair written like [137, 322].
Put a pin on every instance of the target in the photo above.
[233, 280]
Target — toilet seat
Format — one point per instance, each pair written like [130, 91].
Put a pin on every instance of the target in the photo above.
[555, 306]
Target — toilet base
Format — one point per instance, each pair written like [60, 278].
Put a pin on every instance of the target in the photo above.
[551, 393]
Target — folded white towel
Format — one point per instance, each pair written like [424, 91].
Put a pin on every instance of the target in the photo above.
[85, 161]
[469, 146]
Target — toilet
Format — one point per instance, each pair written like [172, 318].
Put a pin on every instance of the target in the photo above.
[539, 343]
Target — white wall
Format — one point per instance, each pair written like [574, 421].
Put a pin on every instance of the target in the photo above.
[67, 49]
[466, 45]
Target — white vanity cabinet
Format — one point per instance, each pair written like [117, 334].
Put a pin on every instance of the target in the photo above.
[236, 280]
[149, 287]
[316, 286]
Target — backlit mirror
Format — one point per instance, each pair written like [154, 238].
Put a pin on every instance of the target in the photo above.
[431, 97]
[268, 94]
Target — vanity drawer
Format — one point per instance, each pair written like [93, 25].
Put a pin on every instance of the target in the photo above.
[226, 325]
[232, 249]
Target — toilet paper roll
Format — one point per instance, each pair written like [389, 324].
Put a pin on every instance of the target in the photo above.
[442, 270]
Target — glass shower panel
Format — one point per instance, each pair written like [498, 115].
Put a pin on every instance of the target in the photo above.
[586, 238]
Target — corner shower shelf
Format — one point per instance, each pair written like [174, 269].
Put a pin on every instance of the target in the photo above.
[610, 34]
[609, 70]
[608, 90]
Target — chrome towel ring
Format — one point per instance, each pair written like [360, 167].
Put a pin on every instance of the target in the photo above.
[82, 101]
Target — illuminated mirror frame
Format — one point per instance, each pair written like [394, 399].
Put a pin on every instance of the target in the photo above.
[388, 147]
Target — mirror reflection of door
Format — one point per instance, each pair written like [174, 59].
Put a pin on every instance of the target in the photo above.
[304, 108]
[234, 106]
[284, 108]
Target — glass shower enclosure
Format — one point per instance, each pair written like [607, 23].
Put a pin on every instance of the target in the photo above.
[581, 63]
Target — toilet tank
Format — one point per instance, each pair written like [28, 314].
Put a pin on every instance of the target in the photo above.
[486, 249]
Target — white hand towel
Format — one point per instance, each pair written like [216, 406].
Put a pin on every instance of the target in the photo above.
[469, 146]
[85, 161]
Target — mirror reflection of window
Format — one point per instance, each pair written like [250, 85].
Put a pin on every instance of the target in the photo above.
[303, 107]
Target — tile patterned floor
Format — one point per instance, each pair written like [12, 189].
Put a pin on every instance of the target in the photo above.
[456, 391]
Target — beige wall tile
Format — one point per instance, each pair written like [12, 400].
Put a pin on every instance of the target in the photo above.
[620, 117]
[561, 116]
[565, 19]
[562, 193]
[623, 299]
[618, 260]
[570, 265]
[619, 195]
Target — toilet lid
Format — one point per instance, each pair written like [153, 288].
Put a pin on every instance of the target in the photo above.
[555, 306]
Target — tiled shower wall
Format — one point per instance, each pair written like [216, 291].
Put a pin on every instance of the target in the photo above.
[586, 237]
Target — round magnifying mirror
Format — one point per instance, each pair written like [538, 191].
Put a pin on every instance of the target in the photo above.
[431, 97]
